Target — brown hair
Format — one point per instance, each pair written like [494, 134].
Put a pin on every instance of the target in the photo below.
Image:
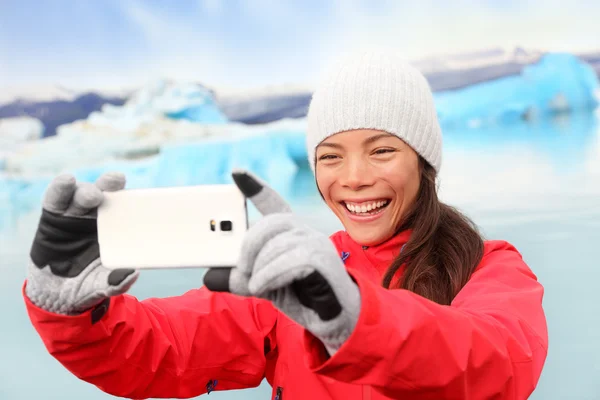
[443, 250]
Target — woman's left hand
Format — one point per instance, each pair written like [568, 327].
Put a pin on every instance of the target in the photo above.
[292, 265]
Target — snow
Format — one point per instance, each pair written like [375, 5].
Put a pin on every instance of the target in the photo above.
[230, 95]
[476, 59]
[35, 93]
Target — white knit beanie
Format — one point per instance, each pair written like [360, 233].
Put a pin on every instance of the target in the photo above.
[376, 90]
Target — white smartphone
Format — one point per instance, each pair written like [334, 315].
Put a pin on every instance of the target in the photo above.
[174, 227]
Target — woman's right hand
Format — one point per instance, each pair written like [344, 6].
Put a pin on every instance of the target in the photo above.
[66, 275]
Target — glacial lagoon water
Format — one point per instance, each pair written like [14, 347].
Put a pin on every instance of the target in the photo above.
[534, 184]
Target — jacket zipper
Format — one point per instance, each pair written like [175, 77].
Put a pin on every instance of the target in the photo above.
[278, 395]
[366, 392]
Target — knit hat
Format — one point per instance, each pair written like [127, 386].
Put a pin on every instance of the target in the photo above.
[376, 90]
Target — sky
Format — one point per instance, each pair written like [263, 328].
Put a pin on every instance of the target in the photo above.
[253, 43]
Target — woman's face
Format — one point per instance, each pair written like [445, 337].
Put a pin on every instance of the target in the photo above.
[369, 179]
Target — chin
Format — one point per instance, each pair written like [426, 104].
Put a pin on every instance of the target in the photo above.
[368, 238]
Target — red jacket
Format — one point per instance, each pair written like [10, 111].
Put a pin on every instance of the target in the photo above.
[490, 343]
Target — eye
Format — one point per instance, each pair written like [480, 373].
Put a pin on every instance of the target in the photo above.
[384, 150]
[328, 157]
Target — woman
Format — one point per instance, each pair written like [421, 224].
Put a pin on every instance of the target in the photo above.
[407, 302]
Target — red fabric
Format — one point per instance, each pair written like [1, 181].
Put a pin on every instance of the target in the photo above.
[490, 343]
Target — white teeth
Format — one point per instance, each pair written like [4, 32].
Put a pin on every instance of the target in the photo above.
[364, 208]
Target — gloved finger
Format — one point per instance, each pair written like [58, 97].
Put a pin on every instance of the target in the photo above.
[111, 181]
[258, 235]
[100, 283]
[266, 200]
[230, 280]
[117, 276]
[284, 265]
[235, 280]
[279, 263]
[217, 279]
[59, 193]
[316, 293]
[238, 282]
[120, 281]
[86, 200]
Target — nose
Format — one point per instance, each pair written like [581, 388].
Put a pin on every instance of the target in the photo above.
[355, 175]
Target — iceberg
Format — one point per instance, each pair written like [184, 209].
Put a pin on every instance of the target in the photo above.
[161, 112]
[16, 131]
[55, 107]
[456, 79]
[558, 83]
[161, 100]
[172, 153]
[80, 146]
[175, 134]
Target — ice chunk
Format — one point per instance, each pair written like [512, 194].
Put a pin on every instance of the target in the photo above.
[557, 83]
[175, 100]
[161, 100]
[444, 73]
[165, 153]
[16, 131]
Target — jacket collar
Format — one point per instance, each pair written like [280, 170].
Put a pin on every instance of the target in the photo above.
[381, 255]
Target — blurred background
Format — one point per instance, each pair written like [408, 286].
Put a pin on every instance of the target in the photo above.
[179, 93]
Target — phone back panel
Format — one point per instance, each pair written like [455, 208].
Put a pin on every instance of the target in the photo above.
[176, 227]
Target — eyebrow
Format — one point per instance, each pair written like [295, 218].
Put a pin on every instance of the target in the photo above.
[368, 140]
[375, 138]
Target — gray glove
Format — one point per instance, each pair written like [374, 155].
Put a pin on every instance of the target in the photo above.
[295, 267]
[66, 275]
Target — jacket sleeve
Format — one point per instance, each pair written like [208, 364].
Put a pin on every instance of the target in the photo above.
[491, 342]
[173, 347]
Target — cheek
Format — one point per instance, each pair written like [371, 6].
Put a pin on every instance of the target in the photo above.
[411, 187]
[405, 179]
[325, 181]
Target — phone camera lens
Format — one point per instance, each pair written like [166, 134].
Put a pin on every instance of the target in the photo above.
[226, 226]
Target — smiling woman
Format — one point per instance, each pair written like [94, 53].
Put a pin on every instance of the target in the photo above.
[377, 150]
[378, 186]
[317, 316]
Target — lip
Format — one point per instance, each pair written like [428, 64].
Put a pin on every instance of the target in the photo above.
[359, 201]
[366, 218]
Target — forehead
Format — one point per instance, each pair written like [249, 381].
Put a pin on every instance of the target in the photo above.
[356, 137]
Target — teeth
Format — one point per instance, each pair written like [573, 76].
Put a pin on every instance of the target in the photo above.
[364, 208]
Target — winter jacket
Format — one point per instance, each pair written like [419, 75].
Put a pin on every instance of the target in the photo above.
[491, 342]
